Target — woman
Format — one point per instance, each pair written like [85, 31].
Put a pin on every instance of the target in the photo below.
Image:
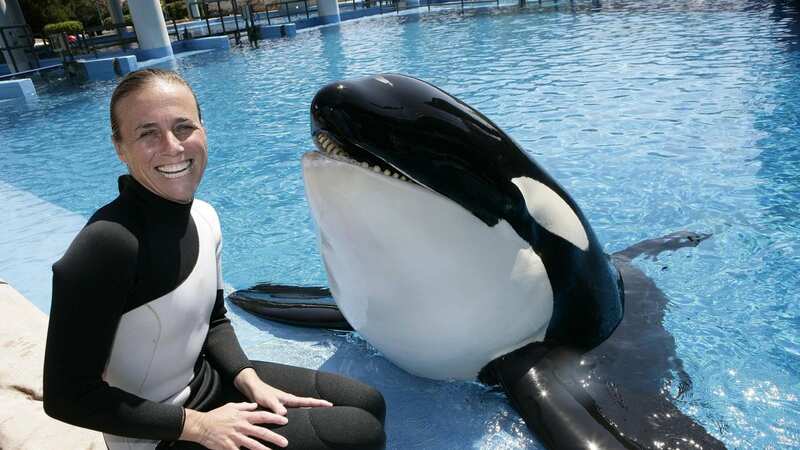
[139, 345]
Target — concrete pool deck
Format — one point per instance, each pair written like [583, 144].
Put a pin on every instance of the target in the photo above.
[23, 423]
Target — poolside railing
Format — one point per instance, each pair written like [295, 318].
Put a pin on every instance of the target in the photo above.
[244, 16]
[462, 3]
[288, 10]
[284, 9]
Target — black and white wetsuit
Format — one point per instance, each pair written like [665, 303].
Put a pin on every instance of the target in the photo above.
[138, 331]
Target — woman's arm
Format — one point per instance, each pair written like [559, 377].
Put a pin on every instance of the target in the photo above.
[90, 285]
[221, 346]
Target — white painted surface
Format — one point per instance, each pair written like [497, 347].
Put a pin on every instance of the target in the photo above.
[151, 29]
[328, 8]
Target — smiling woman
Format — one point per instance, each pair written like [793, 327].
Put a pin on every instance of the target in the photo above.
[165, 145]
[139, 345]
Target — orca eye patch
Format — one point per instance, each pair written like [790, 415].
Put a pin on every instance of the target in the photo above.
[551, 211]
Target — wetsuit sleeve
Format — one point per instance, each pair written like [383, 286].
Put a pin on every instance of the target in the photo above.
[89, 289]
[221, 346]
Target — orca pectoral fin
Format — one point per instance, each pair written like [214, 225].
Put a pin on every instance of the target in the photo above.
[306, 306]
[561, 416]
[673, 241]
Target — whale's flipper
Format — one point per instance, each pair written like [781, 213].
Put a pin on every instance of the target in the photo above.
[539, 382]
[673, 241]
[569, 401]
[296, 305]
[619, 394]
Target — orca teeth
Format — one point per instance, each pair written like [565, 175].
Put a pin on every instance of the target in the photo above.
[331, 149]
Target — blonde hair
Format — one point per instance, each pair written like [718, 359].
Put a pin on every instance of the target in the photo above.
[137, 80]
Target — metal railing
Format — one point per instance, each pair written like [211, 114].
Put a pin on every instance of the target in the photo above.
[389, 5]
[85, 44]
[462, 3]
[220, 16]
[288, 10]
[244, 16]
[275, 11]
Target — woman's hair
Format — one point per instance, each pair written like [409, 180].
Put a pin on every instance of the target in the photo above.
[135, 81]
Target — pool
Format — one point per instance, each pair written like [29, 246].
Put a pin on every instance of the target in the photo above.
[654, 117]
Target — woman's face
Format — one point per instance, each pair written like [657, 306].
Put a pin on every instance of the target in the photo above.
[162, 140]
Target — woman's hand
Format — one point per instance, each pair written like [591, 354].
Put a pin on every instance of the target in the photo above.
[231, 427]
[249, 384]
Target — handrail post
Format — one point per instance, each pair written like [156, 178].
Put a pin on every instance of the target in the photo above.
[205, 13]
[236, 21]
[221, 17]
[235, 7]
[33, 45]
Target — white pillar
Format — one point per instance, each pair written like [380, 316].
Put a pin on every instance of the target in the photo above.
[11, 15]
[328, 11]
[118, 19]
[194, 8]
[115, 8]
[151, 30]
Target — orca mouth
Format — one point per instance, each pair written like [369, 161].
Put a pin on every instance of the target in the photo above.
[333, 148]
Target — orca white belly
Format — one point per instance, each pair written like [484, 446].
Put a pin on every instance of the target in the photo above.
[436, 290]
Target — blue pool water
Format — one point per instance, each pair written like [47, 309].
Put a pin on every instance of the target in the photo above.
[655, 117]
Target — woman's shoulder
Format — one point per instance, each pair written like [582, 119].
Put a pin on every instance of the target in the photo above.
[206, 212]
[204, 209]
[108, 241]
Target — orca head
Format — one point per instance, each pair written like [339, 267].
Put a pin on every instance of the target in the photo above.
[414, 129]
[446, 245]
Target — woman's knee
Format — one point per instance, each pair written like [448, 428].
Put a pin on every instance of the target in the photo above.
[343, 391]
[346, 427]
[337, 389]
[374, 403]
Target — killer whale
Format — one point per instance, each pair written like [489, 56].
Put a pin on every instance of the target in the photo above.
[500, 278]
